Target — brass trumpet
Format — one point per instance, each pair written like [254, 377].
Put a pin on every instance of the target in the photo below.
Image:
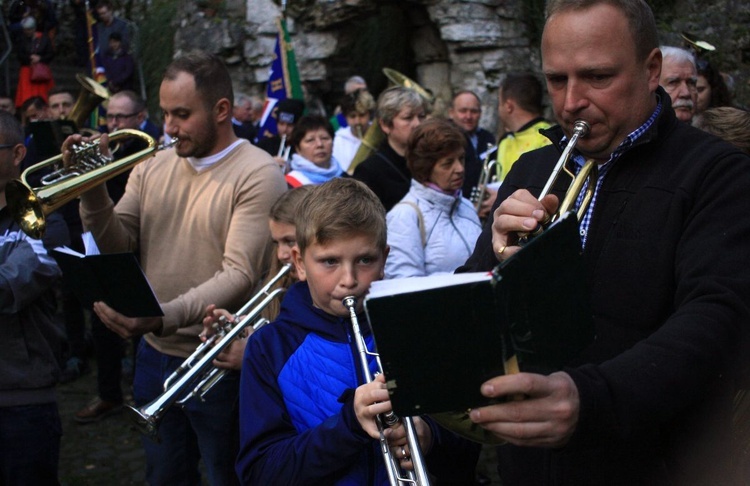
[197, 374]
[587, 175]
[28, 206]
[396, 476]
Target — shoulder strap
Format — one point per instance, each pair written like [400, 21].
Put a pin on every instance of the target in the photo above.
[420, 220]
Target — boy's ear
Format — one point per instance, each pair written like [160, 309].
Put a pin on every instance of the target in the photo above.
[299, 263]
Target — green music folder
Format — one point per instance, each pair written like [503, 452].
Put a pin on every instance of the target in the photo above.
[440, 337]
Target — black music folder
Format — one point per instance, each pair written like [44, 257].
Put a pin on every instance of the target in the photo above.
[441, 337]
[116, 279]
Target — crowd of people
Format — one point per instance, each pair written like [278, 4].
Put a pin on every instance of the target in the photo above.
[223, 212]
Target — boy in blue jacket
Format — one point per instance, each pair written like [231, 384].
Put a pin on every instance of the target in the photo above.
[305, 416]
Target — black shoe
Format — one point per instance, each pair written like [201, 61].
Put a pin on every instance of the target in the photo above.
[74, 369]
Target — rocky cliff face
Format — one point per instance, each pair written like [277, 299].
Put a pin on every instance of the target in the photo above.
[445, 45]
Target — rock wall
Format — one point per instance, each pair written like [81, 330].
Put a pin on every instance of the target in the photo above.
[445, 45]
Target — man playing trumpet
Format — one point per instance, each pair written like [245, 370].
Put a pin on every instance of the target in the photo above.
[197, 216]
[665, 243]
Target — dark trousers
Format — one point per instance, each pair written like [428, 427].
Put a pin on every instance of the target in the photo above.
[109, 349]
[198, 430]
[29, 445]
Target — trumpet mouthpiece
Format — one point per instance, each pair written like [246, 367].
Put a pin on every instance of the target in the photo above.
[349, 301]
[581, 127]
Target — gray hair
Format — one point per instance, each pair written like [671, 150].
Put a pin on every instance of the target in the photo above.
[677, 54]
[241, 98]
[396, 98]
[354, 83]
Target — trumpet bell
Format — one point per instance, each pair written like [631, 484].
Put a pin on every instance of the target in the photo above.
[91, 95]
[26, 208]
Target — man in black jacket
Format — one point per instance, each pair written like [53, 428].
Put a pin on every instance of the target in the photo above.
[33, 337]
[665, 245]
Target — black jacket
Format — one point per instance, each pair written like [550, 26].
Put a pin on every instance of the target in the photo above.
[473, 161]
[667, 260]
[385, 172]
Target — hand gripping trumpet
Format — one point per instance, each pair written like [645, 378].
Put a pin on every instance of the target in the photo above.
[197, 374]
[396, 476]
[29, 206]
[588, 173]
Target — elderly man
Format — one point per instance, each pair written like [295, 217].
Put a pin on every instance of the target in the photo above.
[679, 78]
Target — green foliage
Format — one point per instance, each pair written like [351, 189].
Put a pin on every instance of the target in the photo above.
[157, 31]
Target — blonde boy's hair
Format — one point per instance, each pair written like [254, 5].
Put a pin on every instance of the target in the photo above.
[340, 208]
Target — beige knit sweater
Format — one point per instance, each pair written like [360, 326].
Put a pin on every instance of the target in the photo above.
[202, 237]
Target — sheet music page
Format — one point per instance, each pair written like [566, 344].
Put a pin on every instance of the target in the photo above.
[396, 286]
[69, 251]
[90, 244]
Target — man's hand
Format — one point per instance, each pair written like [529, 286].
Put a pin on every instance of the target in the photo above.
[126, 327]
[77, 139]
[519, 213]
[547, 416]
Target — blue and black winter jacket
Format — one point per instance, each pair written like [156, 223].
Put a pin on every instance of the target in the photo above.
[297, 421]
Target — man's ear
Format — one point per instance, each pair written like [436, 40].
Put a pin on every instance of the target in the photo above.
[653, 68]
[223, 110]
[19, 152]
[299, 263]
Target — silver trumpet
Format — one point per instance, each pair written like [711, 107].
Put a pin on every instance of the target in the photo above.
[396, 476]
[586, 179]
[487, 176]
[197, 374]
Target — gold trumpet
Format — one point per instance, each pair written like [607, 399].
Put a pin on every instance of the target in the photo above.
[396, 476]
[28, 206]
[197, 374]
[587, 175]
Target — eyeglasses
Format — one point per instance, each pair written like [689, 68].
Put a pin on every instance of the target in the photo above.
[7, 145]
[120, 117]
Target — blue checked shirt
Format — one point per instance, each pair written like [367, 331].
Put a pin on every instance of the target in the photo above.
[579, 161]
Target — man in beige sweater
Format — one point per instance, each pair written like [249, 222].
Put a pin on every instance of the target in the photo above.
[197, 215]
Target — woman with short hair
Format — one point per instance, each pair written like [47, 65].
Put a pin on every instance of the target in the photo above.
[312, 161]
[433, 229]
